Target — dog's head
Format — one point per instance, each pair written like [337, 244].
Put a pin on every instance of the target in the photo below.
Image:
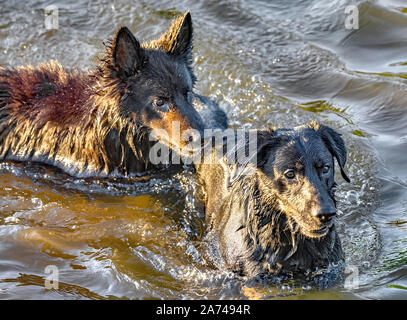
[297, 169]
[154, 80]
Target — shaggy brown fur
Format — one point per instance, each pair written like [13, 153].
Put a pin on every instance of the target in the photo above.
[91, 123]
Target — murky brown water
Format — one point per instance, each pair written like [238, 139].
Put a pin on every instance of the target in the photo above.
[266, 63]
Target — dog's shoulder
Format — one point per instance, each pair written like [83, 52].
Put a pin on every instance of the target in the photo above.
[212, 115]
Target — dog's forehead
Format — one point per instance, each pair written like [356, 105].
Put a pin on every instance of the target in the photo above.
[169, 70]
[302, 146]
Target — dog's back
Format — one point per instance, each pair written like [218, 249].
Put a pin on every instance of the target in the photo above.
[41, 109]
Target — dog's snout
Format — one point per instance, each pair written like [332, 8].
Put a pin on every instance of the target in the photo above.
[325, 214]
[326, 217]
[324, 207]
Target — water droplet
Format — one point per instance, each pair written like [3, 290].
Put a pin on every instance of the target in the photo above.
[352, 196]
[11, 220]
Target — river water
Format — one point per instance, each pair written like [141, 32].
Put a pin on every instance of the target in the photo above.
[266, 63]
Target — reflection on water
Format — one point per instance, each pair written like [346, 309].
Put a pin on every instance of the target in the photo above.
[266, 63]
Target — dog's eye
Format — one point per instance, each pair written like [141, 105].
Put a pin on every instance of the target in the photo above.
[325, 169]
[290, 174]
[161, 104]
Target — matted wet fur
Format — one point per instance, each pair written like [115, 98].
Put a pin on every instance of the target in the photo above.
[98, 123]
[275, 216]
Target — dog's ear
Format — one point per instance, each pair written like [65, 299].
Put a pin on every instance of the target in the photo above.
[336, 147]
[265, 142]
[177, 40]
[127, 54]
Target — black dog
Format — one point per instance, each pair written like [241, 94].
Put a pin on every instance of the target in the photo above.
[276, 215]
[98, 123]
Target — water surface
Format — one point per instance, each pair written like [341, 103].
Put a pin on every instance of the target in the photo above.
[266, 63]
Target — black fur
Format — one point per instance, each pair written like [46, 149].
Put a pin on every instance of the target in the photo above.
[99, 123]
[264, 219]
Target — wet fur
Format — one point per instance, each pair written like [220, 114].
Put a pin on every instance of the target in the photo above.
[86, 123]
[248, 230]
[67, 119]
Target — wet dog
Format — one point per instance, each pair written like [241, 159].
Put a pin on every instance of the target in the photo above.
[275, 215]
[98, 123]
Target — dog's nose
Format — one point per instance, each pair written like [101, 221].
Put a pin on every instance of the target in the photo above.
[326, 215]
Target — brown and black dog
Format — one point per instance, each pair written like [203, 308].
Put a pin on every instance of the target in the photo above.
[275, 215]
[98, 123]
